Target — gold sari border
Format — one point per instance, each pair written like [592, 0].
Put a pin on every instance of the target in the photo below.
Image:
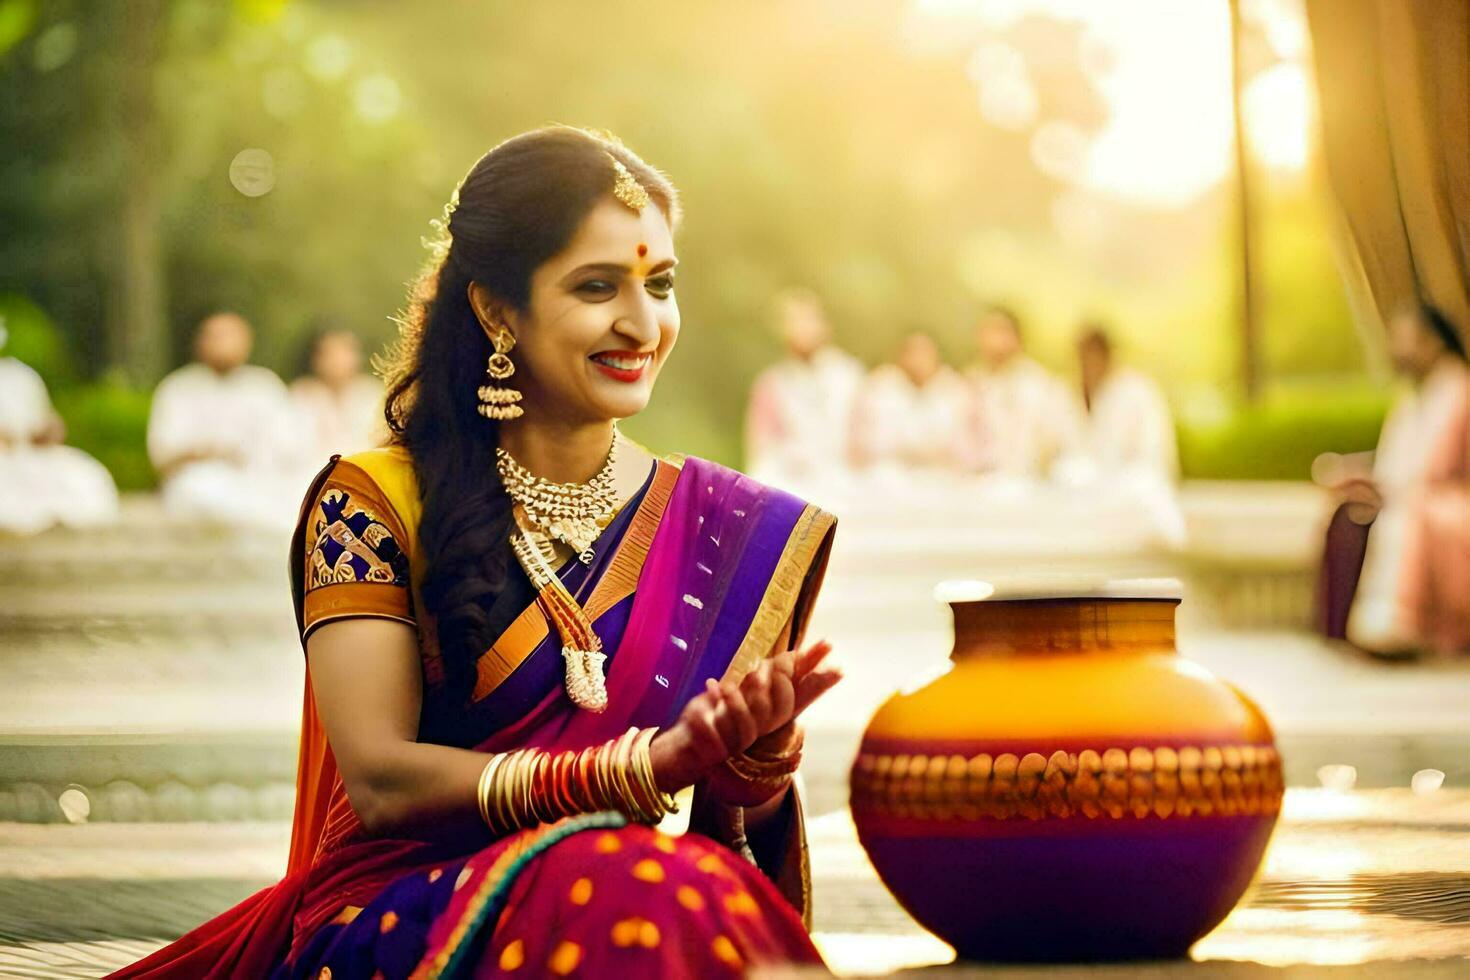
[510, 650]
[802, 547]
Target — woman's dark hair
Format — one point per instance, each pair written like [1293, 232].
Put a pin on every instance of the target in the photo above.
[519, 206]
[1442, 327]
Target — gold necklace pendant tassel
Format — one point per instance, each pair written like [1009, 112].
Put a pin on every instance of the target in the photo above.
[581, 646]
[586, 684]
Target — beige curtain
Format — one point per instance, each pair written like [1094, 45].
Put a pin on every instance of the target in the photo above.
[1393, 78]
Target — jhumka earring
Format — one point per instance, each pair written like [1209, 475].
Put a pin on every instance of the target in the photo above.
[496, 402]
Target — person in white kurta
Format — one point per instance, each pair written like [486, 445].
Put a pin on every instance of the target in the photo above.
[797, 421]
[911, 416]
[223, 436]
[1024, 417]
[1127, 427]
[42, 482]
[340, 405]
[1126, 439]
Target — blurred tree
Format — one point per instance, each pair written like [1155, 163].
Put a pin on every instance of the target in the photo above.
[820, 143]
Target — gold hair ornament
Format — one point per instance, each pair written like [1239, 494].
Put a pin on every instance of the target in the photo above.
[626, 187]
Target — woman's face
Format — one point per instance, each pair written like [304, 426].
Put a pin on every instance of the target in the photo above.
[602, 318]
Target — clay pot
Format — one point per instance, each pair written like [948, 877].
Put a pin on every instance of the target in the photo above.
[1071, 789]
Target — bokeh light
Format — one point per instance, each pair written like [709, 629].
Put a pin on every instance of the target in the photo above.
[253, 172]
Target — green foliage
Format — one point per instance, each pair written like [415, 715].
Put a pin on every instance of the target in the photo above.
[110, 420]
[16, 18]
[1278, 438]
[32, 337]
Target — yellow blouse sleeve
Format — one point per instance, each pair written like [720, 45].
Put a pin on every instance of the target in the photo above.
[355, 552]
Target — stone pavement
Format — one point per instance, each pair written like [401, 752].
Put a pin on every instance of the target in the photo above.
[152, 670]
[1367, 878]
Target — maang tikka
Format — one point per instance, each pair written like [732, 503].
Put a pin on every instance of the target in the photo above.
[496, 402]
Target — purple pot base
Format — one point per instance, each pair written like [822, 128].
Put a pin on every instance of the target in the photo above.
[1120, 890]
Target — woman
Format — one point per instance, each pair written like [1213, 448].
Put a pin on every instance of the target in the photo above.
[520, 627]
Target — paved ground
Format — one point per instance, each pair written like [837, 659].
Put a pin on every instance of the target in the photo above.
[1367, 877]
[155, 667]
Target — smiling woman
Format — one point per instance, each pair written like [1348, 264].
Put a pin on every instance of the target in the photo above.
[524, 632]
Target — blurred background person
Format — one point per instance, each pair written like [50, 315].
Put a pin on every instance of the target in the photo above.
[340, 404]
[42, 481]
[1396, 567]
[1023, 416]
[1127, 428]
[911, 414]
[797, 420]
[221, 433]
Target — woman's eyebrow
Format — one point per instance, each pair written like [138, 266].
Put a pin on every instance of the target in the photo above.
[617, 268]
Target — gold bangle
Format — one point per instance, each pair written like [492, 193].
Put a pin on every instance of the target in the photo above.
[508, 792]
[643, 754]
[489, 781]
[794, 750]
[480, 791]
[773, 772]
[627, 800]
[524, 787]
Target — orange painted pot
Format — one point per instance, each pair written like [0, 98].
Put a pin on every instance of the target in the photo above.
[1071, 789]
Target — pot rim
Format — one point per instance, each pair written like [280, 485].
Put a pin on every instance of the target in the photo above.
[1057, 587]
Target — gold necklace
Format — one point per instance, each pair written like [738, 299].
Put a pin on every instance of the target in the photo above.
[576, 514]
[572, 513]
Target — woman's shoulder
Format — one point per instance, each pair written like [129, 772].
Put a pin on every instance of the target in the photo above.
[386, 465]
[379, 482]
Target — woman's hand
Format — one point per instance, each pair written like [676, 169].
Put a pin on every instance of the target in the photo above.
[727, 719]
[684, 752]
[810, 679]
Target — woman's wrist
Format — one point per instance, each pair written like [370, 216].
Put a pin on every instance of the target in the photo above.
[731, 789]
[670, 755]
[777, 744]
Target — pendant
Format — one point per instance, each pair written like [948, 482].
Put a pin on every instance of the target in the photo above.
[586, 685]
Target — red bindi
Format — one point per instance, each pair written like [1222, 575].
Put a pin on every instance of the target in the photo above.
[642, 250]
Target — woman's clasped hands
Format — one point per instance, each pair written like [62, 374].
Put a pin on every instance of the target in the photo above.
[756, 717]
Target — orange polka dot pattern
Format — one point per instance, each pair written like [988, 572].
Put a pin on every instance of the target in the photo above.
[640, 903]
[599, 903]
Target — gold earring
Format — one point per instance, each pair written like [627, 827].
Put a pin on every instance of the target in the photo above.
[501, 404]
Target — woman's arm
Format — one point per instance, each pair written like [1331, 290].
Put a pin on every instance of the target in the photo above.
[368, 689]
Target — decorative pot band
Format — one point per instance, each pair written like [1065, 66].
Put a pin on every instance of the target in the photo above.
[1224, 780]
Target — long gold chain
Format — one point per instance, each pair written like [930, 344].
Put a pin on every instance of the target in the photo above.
[572, 513]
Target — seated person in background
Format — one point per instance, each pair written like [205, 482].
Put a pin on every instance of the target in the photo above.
[340, 404]
[1396, 569]
[799, 408]
[42, 482]
[222, 433]
[911, 413]
[1127, 429]
[1023, 417]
